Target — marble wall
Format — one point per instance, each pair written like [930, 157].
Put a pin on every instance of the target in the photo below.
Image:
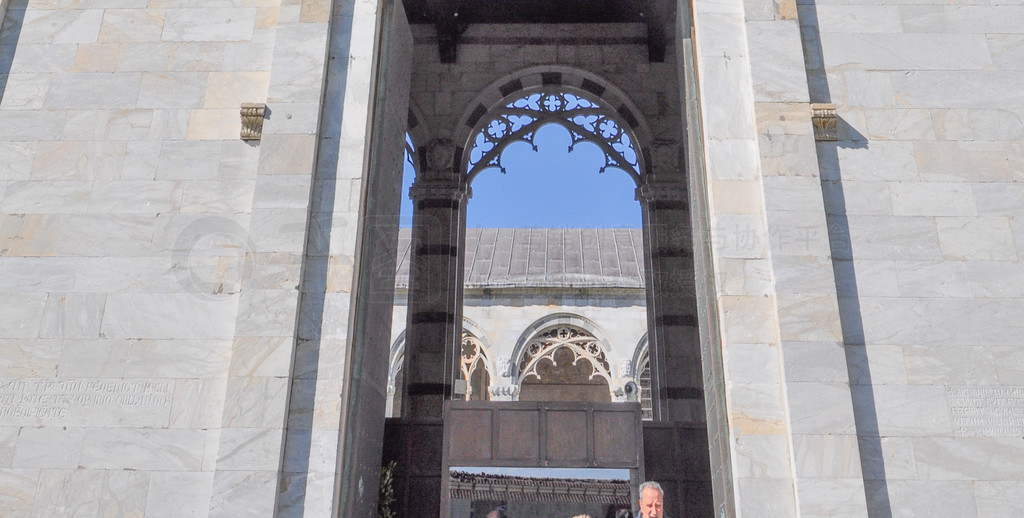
[872, 288]
[175, 302]
[149, 258]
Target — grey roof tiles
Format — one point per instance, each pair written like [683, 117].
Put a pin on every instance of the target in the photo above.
[544, 257]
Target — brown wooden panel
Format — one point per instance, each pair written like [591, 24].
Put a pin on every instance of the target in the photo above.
[518, 434]
[615, 435]
[470, 436]
[566, 437]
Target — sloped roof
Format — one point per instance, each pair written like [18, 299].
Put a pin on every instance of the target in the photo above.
[545, 257]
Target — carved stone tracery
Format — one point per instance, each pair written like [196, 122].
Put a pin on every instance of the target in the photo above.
[584, 347]
[584, 118]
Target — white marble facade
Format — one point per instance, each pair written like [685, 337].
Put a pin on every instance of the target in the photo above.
[176, 303]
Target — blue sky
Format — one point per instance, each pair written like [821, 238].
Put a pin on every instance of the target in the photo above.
[547, 188]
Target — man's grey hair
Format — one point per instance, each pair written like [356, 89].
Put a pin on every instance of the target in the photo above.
[650, 484]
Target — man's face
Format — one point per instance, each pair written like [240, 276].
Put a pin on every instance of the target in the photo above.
[650, 503]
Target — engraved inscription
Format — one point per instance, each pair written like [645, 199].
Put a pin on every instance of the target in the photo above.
[54, 401]
[987, 411]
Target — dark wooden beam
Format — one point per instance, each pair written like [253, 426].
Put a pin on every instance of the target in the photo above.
[450, 17]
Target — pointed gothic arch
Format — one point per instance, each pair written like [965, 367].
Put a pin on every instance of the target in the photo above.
[591, 108]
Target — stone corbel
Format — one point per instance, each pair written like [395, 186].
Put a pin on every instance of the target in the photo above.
[252, 120]
[655, 189]
[825, 121]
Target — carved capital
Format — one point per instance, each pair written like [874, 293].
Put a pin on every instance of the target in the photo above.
[504, 392]
[252, 120]
[825, 121]
[441, 155]
[664, 158]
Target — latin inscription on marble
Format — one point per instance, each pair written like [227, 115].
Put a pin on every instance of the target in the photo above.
[50, 401]
[987, 411]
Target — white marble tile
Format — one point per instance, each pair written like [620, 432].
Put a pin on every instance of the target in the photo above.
[37, 274]
[300, 51]
[1007, 50]
[932, 199]
[8, 441]
[890, 458]
[909, 410]
[25, 91]
[933, 278]
[173, 90]
[177, 358]
[169, 315]
[884, 237]
[765, 498]
[761, 456]
[998, 199]
[92, 358]
[198, 404]
[749, 319]
[45, 197]
[135, 25]
[968, 458]
[756, 409]
[18, 491]
[860, 19]
[881, 161]
[906, 51]
[963, 161]
[964, 19]
[21, 358]
[252, 490]
[899, 124]
[832, 497]
[143, 449]
[21, 314]
[175, 494]
[876, 364]
[820, 408]
[267, 313]
[826, 456]
[32, 58]
[95, 90]
[124, 493]
[189, 160]
[814, 361]
[51, 448]
[212, 24]
[256, 402]
[67, 492]
[999, 499]
[976, 239]
[72, 315]
[60, 26]
[777, 61]
[957, 89]
[931, 498]
[216, 196]
[753, 363]
[249, 449]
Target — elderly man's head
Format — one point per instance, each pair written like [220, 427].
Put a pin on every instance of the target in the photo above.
[652, 498]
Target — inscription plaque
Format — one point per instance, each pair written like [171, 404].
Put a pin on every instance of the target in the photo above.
[987, 411]
[86, 402]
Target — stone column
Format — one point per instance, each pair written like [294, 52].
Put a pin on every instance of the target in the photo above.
[674, 343]
[434, 329]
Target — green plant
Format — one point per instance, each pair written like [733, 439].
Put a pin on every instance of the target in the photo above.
[387, 491]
